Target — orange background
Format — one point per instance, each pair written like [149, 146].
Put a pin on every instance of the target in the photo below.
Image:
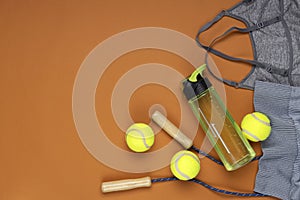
[43, 44]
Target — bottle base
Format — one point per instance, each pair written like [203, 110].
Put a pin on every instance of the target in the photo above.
[240, 163]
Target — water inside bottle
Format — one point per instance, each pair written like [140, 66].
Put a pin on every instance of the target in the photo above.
[222, 131]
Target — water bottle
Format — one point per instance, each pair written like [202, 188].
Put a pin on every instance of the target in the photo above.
[222, 131]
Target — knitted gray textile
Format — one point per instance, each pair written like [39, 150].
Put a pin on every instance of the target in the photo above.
[274, 28]
[279, 167]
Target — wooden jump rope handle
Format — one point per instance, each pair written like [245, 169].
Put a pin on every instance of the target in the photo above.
[127, 184]
[172, 130]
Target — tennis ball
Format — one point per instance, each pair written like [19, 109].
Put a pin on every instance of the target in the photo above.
[139, 137]
[256, 126]
[185, 165]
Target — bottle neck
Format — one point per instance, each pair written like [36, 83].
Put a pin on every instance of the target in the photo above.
[194, 89]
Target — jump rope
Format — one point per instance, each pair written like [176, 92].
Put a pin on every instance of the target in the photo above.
[174, 132]
[195, 180]
[182, 139]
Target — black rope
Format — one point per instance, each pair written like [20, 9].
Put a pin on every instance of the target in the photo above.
[206, 155]
[226, 192]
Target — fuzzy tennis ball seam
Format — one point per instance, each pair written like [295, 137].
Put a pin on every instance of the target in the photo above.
[139, 137]
[256, 126]
[185, 165]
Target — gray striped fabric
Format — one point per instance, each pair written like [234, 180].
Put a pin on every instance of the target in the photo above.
[279, 167]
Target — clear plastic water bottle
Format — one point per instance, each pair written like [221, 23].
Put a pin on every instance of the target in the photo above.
[222, 131]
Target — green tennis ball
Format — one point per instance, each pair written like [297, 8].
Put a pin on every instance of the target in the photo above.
[256, 126]
[139, 137]
[185, 165]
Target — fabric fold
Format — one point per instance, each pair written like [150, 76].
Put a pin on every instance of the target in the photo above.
[279, 167]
